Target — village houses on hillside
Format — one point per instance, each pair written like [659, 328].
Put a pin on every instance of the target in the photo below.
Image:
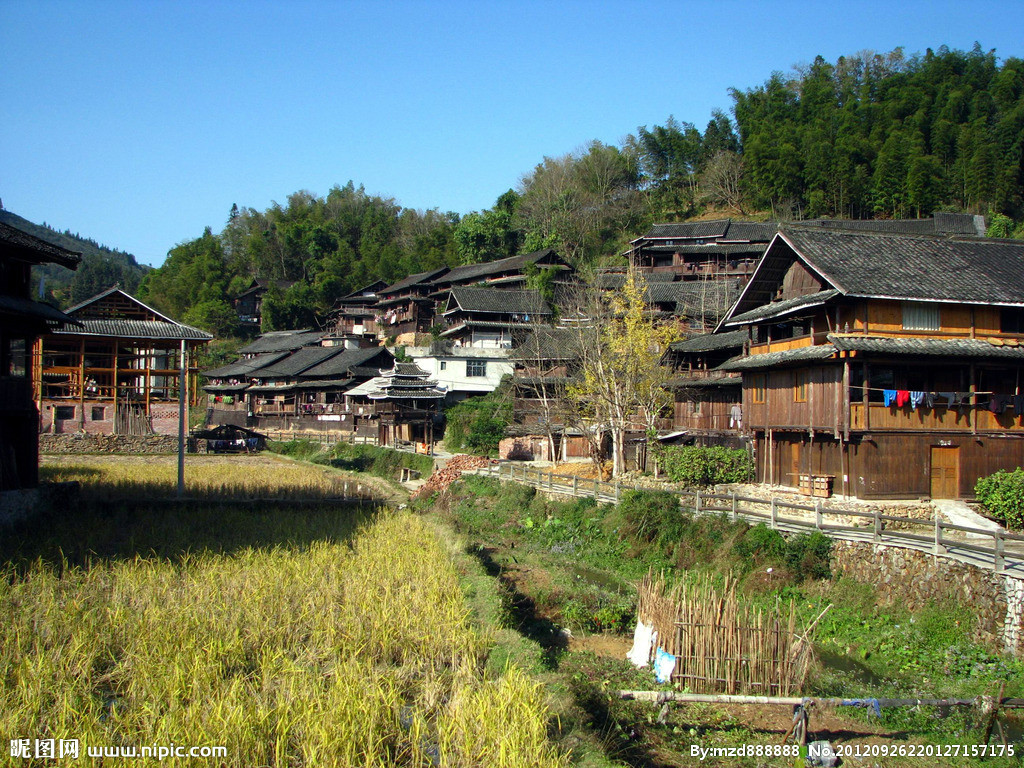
[822, 360]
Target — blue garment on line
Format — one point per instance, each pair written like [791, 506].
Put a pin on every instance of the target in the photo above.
[889, 396]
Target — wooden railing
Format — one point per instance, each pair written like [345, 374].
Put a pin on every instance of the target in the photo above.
[998, 550]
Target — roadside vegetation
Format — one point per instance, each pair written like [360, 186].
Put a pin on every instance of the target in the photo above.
[382, 462]
[1002, 496]
[568, 570]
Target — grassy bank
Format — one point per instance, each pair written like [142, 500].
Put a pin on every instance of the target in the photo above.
[371, 459]
[568, 567]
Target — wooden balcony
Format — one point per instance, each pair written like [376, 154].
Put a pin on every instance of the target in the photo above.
[878, 417]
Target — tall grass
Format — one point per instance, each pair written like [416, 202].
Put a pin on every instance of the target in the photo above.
[332, 652]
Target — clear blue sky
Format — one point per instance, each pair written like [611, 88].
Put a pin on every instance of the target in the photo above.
[140, 123]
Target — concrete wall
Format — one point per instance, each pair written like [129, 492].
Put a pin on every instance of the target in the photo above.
[912, 579]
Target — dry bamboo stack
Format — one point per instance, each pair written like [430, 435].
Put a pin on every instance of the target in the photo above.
[721, 645]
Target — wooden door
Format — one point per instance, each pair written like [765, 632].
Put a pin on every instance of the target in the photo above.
[945, 473]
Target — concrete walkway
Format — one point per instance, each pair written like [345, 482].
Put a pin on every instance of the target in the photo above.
[958, 513]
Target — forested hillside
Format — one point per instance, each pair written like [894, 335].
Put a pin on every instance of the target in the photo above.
[872, 135]
[101, 267]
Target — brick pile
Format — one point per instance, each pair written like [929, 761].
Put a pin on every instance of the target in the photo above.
[450, 472]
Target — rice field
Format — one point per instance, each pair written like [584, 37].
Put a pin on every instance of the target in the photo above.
[324, 636]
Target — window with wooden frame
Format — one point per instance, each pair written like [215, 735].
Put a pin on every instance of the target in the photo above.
[800, 386]
[920, 317]
[759, 387]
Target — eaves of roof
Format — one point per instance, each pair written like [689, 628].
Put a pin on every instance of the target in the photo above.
[961, 348]
[710, 341]
[772, 359]
[244, 366]
[134, 329]
[782, 308]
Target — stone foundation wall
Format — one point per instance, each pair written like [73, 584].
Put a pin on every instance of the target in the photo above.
[913, 579]
[84, 443]
[22, 504]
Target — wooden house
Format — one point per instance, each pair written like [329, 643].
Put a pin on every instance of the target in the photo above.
[702, 249]
[405, 309]
[249, 303]
[890, 366]
[354, 315]
[486, 318]
[501, 274]
[22, 321]
[703, 397]
[404, 403]
[116, 369]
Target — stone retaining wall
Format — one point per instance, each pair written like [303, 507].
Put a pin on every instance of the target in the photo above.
[913, 579]
[85, 443]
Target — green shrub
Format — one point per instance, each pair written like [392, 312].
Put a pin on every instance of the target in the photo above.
[704, 467]
[761, 545]
[648, 516]
[808, 555]
[383, 462]
[479, 423]
[1002, 495]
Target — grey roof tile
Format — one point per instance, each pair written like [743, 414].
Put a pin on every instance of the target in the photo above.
[490, 300]
[784, 307]
[134, 329]
[981, 271]
[297, 362]
[969, 348]
[710, 341]
[771, 359]
[281, 341]
[347, 361]
[484, 269]
[245, 366]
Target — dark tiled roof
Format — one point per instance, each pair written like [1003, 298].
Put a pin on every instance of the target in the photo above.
[971, 348]
[471, 272]
[690, 229]
[754, 231]
[245, 366]
[323, 383]
[14, 305]
[710, 341]
[411, 280]
[30, 248]
[779, 308]
[771, 359]
[696, 298]
[407, 393]
[977, 271]
[490, 300]
[281, 341]
[543, 343]
[405, 369]
[939, 224]
[134, 329]
[298, 361]
[344, 363]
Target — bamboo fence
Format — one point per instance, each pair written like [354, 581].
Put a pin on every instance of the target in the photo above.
[722, 645]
